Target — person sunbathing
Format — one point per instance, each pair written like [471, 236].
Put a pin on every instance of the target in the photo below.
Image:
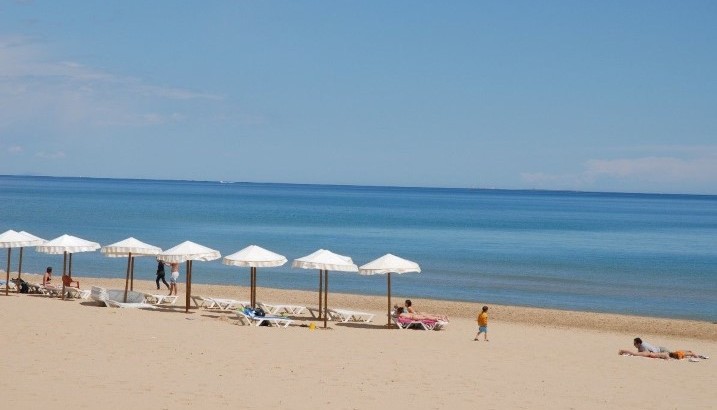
[677, 354]
[401, 312]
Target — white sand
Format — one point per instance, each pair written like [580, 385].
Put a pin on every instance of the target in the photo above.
[74, 354]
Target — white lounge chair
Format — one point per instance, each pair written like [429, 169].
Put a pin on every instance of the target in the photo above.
[115, 298]
[71, 292]
[275, 308]
[425, 324]
[162, 299]
[202, 302]
[345, 315]
[225, 304]
[250, 317]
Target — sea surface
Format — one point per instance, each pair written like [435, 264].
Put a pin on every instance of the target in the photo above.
[643, 254]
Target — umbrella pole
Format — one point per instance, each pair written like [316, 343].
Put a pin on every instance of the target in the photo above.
[389, 301]
[19, 266]
[64, 271]
[326, 297]
[131, 276]
[321, 290]
[252, 280]
[253, 271]
[188, 291]
[126, 279]
[7, 273]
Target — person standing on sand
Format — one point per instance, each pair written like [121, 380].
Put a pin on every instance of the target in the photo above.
[160, 274]
[482, 324]
[173, 278]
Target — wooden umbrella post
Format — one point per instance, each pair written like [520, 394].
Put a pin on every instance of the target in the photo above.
[326, 297]
[7, 273]
[64, 271]
[131, 274]
[321, 290]
[126, 280]
[253, 273]
[389, 300]
[188, 292]
[252, 293]
[19, 266]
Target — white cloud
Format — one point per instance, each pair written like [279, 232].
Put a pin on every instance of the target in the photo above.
[699, 168]
[68, 93]
[15, 149]
[50, 155]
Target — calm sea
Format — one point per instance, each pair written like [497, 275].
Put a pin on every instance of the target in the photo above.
[640, 254]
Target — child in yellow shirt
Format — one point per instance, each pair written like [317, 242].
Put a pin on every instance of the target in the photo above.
[483, 324]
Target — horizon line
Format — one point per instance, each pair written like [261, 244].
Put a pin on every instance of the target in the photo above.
[221, 181]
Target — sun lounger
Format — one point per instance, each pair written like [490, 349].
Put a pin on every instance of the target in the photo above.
[249, 317]
[275, 308]
[345, 315]
[77, 293]
[52, 290]
[162, 299]
[202, 302]
[425, 324]
[115, 298]
[10, 285]
[225, 304]
[314, 311]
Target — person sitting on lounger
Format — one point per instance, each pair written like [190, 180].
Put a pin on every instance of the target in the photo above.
[67, 281]
[47, 277]
[407, 306]
[401, 312]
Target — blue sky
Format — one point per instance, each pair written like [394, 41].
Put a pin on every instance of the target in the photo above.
[606, 96]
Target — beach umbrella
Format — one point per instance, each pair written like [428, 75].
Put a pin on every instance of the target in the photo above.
[67, 244]
[129, 248]
[254, 257]
[187, 252]
[388, 264]
[13, 239]
[325, 261]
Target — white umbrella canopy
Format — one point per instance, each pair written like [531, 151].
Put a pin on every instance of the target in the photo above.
[131, 245]
[129, 248]
[36, 240]
[67, 244]
[253, 257]
[325, 260]
[12, 239]
[388, 264]
[188, 251]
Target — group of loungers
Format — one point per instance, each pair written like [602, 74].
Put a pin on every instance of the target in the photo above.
[274, 314]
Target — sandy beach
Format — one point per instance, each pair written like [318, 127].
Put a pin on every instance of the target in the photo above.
[75, 354]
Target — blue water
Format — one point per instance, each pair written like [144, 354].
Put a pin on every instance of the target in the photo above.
[627, 253]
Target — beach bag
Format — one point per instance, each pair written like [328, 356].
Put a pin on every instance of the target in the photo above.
[259, 312]
[24, 288]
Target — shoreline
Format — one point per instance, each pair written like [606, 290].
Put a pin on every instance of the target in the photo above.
[544, 317]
